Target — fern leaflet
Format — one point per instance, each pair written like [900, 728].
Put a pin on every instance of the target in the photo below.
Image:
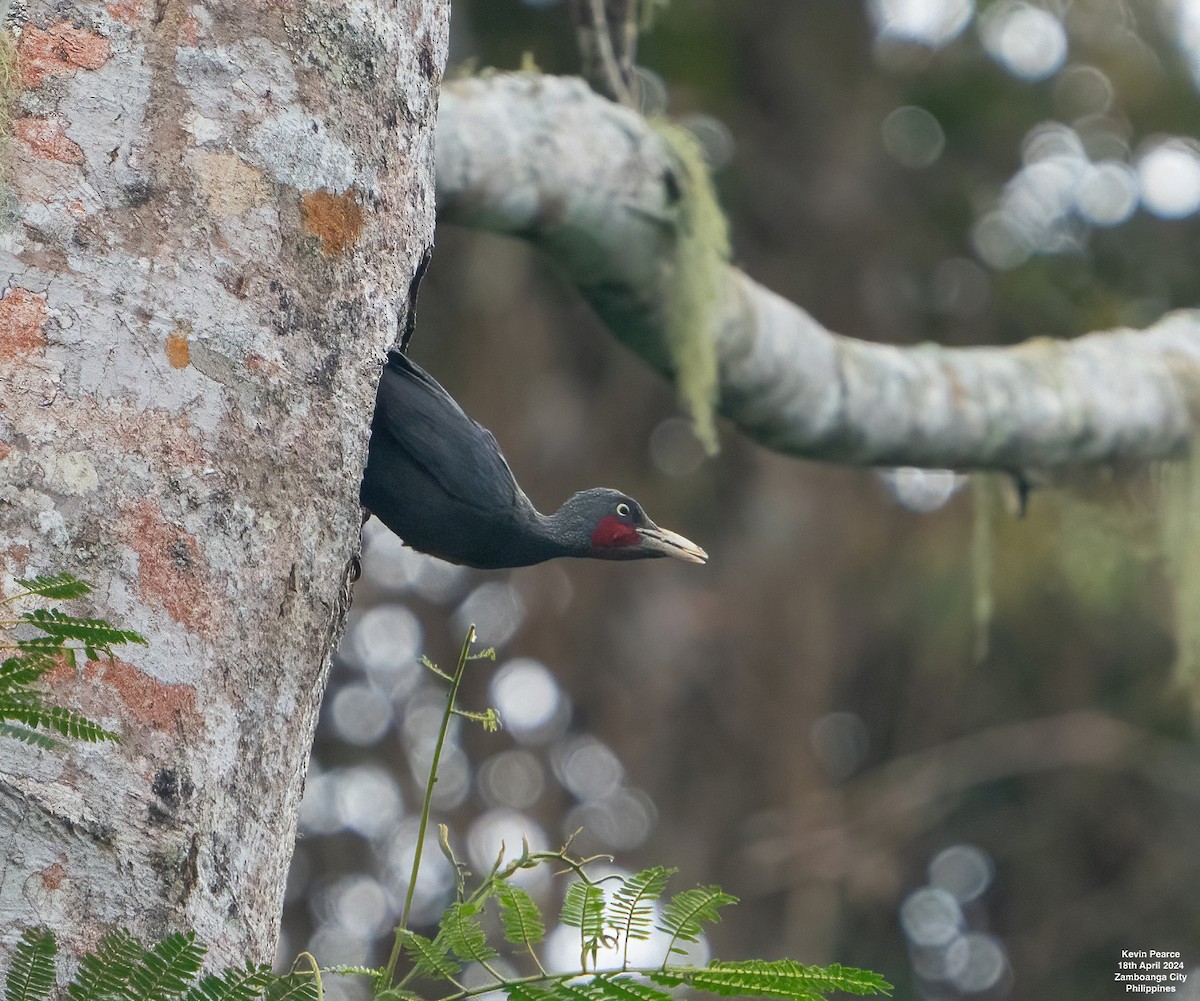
[686, 911]
[631, 907]
[527, 992]
[29, 736]
[782, 978]
[520, 916]
[430, 958]
[462, 932]
[59, 587]
[94, 633]
[31, 974]
[292, 987]
[233, 985]
[583, 908]
[64, 721]
[166, 970]
[104, 973]
[622, 987]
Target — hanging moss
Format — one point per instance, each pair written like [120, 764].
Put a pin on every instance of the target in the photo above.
[1180, 521]
[984, 498]
[701, 253]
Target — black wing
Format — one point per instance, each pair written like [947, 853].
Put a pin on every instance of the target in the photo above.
[416, 414]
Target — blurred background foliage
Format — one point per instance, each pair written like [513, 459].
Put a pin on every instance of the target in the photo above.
[911, 730]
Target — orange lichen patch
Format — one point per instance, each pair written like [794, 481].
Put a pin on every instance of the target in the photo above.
[172, 571]
[53, 875]
[22, 316]
[335, 220]
[60, 50]
[127, 11]
[5, 450]
[177, 351]
[147, 700]
[47, 138]
[141, 700]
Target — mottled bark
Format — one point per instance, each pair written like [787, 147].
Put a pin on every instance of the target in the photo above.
[596, 187]
[216, 210]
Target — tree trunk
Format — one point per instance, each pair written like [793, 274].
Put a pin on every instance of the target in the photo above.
[216, 218]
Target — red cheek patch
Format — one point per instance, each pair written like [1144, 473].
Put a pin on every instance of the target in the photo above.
[613, 532]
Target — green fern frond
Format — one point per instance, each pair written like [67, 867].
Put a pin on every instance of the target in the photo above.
[31, 973]
[631, 906]
[28, 736]
[292, 987]
[58, 586]
[527, 992]
[462, 932]
[103, 974]
[22, 671]
[430, 958]
[70, 724]
[94, 633]
[686, 911]
[583, 908]
[246, 984]
[622, 987]
[167, 970]
[523, 924]
[781, 978]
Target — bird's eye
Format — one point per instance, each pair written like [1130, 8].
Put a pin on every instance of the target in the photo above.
[623, 510]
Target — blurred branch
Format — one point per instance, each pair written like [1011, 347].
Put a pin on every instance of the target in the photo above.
[830, 834]
[607, 31]
[596, 188]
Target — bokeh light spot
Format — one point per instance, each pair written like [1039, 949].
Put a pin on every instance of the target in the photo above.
[531, 705]
[930, 917]
[384, 642]
[975, 962]
[997, 244]
[359, 905]
[963, 871]
[1028, 41]
[495, 609]
[360, 714]
[1082, 90]
[588, 768]
[617, 823]
[927, 22]
[1169, 173]
[913, 137]
[505, 830]
[1107, 194]
[513, 778]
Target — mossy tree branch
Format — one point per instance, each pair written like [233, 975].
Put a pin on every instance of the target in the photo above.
[595, 186]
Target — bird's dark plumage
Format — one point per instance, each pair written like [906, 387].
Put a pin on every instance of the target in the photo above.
[439, 481]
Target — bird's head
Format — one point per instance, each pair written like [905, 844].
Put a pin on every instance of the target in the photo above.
[612, 526]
